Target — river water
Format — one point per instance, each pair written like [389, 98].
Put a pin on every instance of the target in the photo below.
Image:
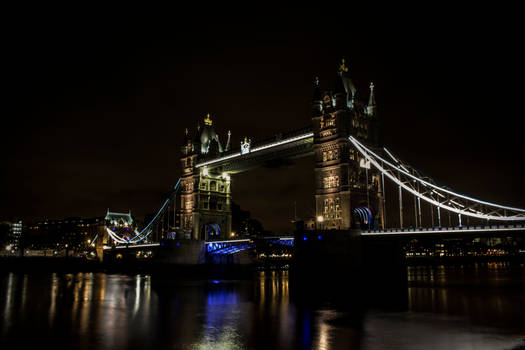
[479, 306]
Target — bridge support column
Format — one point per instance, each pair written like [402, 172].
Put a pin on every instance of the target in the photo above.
[343, 260]
[102, 239]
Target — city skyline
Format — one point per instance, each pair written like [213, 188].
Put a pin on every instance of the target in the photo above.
[102, 121]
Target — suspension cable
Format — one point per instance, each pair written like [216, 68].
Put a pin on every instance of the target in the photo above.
[370, 155]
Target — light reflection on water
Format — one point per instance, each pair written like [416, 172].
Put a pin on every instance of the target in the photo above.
[448, 308]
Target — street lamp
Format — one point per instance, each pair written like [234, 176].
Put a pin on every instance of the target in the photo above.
[320, 219]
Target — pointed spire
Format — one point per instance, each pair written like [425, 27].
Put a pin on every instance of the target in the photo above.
[372, 100]
[207, 120]
[342, 67]
[228, 142]
[340, 87]
[317, 92]
[370, 109]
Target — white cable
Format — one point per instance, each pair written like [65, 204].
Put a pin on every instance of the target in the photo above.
[361, 149]
[356, 143]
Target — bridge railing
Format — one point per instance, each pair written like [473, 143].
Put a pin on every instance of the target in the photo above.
[472, 228]
[282, 136]
[261, 143]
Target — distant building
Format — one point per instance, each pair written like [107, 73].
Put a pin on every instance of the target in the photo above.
[119, 219]
[11, 232]
[75, 232]
[16, 234]
[122, 224]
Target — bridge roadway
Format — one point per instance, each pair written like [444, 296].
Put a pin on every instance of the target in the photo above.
[211, 246]
[236, 245]
[488, 230]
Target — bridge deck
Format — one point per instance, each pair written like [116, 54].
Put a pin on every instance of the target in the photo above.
[445, 230]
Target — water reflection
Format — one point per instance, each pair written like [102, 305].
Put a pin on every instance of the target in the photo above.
[105, 311]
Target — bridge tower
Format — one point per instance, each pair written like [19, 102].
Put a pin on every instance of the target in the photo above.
[205, 195]
[347, 193]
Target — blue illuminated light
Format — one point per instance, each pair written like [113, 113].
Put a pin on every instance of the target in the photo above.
[319, 237]
[178, 244]
[305, 238]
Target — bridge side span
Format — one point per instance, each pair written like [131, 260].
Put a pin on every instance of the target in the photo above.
[438, 196]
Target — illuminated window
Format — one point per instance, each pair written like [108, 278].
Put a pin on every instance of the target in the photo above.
[337, 181]
[336, 154]
[324, 156]
[330, 155]
[213, 186]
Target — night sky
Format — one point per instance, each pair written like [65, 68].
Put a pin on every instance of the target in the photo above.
[95, 106]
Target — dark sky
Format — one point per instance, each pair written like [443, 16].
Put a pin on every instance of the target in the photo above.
[95, 106]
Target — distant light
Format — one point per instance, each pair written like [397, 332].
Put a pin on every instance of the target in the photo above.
[305, 238]
[320, 218]
[205, 171]
[178, 244]
[319, 237]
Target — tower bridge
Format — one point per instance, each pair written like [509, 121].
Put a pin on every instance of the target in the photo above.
[352, 173]
[205, 205]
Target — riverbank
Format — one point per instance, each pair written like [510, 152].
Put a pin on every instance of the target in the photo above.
[73, 264]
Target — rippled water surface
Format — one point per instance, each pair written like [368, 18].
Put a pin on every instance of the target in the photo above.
[475, 307]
